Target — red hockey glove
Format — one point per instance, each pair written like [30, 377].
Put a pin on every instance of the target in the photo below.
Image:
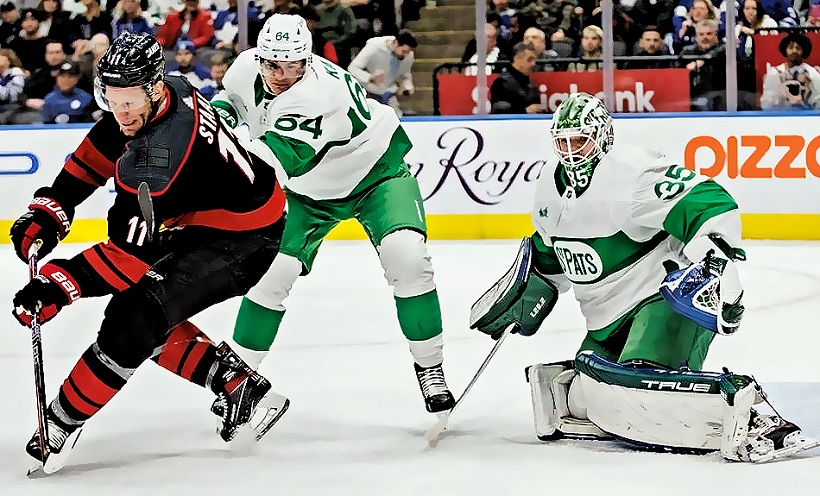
[45, 220]
[49, 292]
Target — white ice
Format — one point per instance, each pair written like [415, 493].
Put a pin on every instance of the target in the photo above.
[357, 420]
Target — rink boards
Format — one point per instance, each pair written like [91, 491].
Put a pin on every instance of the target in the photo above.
[478, 175]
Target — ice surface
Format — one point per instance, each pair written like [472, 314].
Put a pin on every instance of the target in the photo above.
[357, 420]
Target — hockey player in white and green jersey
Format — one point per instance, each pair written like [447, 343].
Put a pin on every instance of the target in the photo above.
[616, 223]
[339, 156]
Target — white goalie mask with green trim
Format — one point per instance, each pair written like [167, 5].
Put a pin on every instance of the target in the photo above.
[581, 135]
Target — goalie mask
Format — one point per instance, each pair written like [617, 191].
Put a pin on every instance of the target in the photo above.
[581, 135]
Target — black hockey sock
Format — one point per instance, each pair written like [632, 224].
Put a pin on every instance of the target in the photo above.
[188, 353]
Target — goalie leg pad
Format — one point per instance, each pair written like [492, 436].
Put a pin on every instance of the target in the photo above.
[557, 403]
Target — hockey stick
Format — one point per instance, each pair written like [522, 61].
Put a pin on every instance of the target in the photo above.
[433, 433]
[147, 208]
[37, 354]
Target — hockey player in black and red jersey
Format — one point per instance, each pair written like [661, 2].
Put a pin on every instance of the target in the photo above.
[223, 210]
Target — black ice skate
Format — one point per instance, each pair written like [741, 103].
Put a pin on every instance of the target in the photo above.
[61, 441]
[771, 437]
[244, 400]
[437, 397]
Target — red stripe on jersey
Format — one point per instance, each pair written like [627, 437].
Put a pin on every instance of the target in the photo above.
[104, 271]
[77, 401]
[225, 220]
[75, 170]
[174, 347]
[93, 158]
[132, 267]
[91, 386]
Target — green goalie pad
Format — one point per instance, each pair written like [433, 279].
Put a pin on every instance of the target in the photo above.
[522, 296]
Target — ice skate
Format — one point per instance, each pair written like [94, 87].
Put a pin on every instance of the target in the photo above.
[244, 401]
[771, 438]
[61, 441]
[437, 397]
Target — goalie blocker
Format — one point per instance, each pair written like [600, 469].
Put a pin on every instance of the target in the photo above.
[522, 296]
[679, 411]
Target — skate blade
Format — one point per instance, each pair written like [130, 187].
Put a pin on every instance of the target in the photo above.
[266, 414]
[434, 433]
[802, 445]
[55, 460]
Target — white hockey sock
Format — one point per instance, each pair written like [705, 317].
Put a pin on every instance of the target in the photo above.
[429, 352]
[252, 357]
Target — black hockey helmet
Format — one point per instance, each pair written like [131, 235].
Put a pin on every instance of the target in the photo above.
[131, 60]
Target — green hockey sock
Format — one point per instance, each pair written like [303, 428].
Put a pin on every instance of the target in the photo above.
[419, 316]
[256, 326]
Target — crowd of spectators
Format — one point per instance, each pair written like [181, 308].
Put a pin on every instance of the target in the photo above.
[689, 33]
[49, 48]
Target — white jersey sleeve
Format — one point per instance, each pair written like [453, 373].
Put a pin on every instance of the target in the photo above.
[230, 102]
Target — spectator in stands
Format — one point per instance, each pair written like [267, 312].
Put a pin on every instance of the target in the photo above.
[67, 103]
[707, 74]
[87, 57]
[367, 20]
[94, 20]
[684, 33]
[812, 15]
[505, 12]
[512, 92]
[494, 20]
[491, 34]
[226, 24]
[656, 13]
[131, 20]
[751, 19]
[591, 50]
[383, 67]
[186, 65]
[793, 84]
[538, 39]
[191, 23]
[12, 82]
[41, 82]
[30, 45]
[219, 66]
[320, 46]
[338, 25]
[55, 23]
[10, 27]
[650, 45]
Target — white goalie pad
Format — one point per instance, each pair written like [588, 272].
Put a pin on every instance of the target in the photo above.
[555, 405]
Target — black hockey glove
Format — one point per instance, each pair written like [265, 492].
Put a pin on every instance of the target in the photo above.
[47, 293]
[45, 220]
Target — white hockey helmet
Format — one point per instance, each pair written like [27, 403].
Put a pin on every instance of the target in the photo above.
[285, 38]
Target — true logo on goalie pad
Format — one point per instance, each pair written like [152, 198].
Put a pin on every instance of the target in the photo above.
[580, 262]
[677, 386]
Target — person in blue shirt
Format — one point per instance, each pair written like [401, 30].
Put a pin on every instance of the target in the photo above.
[187, 66]
[67, 103]
[132, 20]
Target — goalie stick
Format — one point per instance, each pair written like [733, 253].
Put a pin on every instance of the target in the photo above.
[433, 433]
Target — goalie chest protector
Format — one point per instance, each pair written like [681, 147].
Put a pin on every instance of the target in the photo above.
[156, 156]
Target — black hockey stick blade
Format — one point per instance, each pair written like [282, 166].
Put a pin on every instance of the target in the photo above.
[147, 208]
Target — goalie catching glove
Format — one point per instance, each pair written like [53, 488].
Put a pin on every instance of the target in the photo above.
[523, 297]
[708, 291]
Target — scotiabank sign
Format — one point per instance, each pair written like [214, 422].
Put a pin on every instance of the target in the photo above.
[639, 90]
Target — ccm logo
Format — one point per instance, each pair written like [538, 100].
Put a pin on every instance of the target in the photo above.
[790, 151]
[68, 286]
[677, 386]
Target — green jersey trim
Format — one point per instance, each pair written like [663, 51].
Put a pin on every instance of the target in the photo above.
[259, 91]
[390, 164]
[703, 202]
[604, 332]
[226, 111]
[545, 260]
[616, 252]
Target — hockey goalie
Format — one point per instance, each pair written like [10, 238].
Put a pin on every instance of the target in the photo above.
[650, 249]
